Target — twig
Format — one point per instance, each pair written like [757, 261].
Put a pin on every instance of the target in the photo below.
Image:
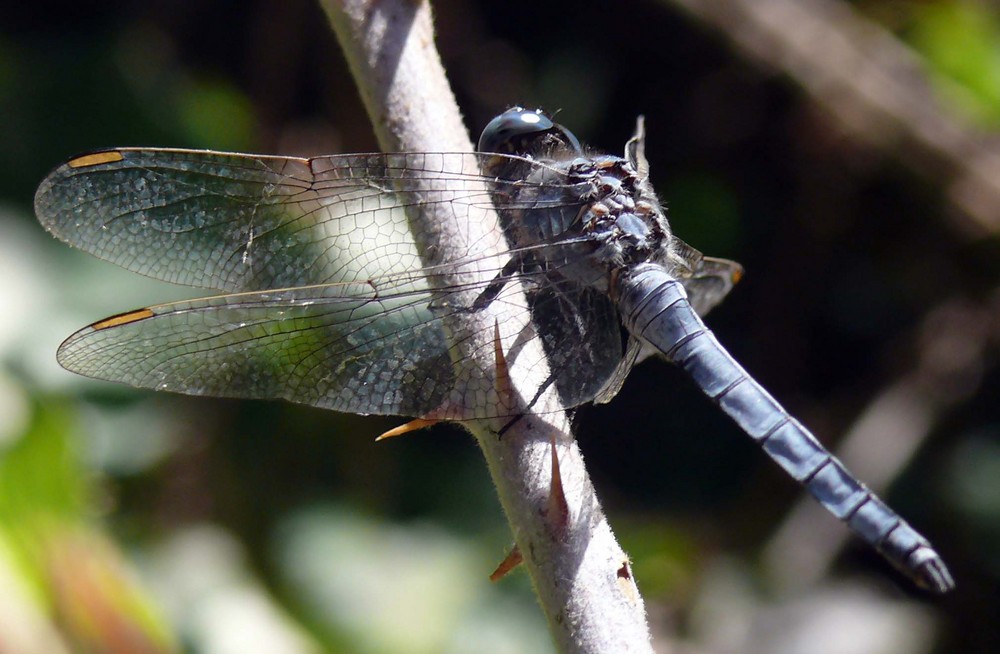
[573, 559]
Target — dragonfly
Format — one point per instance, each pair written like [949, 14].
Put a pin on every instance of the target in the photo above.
[332, 298]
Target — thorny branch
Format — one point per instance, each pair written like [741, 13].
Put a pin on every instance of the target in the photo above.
[573, 559]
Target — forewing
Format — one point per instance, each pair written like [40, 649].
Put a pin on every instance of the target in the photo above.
[237, 222]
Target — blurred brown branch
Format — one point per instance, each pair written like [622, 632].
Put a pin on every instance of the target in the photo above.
[874, 87]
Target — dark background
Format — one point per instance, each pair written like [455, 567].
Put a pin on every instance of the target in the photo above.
[847, 250]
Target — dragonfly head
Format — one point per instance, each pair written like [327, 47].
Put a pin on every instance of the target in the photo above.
[528, 133]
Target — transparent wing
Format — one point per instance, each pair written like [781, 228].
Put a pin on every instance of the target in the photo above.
[349, 347]
[581, 333]
[236, 222]
[343, 316]
[707, 280]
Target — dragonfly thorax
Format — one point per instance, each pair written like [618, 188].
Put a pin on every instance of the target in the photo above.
[623, 216]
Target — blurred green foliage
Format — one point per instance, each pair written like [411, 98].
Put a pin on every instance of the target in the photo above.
[57, 550]
[961, 41]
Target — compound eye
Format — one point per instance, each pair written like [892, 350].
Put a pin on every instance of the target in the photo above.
[527, 132]
[507, 132]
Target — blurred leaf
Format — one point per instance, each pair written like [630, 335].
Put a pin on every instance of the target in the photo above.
[703, 212]
[215, 598]
[214, 112]
[95, 598]
[402, 588]
[665, 557]
[40, 477]
[961, 41]
[45, 502]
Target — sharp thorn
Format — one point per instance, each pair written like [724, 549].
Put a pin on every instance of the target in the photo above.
[413, 425]
[504, 388]
[558, 508]
[511, 561]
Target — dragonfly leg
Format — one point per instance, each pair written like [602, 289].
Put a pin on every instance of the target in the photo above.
[490, 293]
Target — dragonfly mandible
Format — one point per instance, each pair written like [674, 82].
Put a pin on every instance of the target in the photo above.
[328, 299]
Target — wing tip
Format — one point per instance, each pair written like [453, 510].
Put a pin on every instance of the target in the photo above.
[45, 203]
